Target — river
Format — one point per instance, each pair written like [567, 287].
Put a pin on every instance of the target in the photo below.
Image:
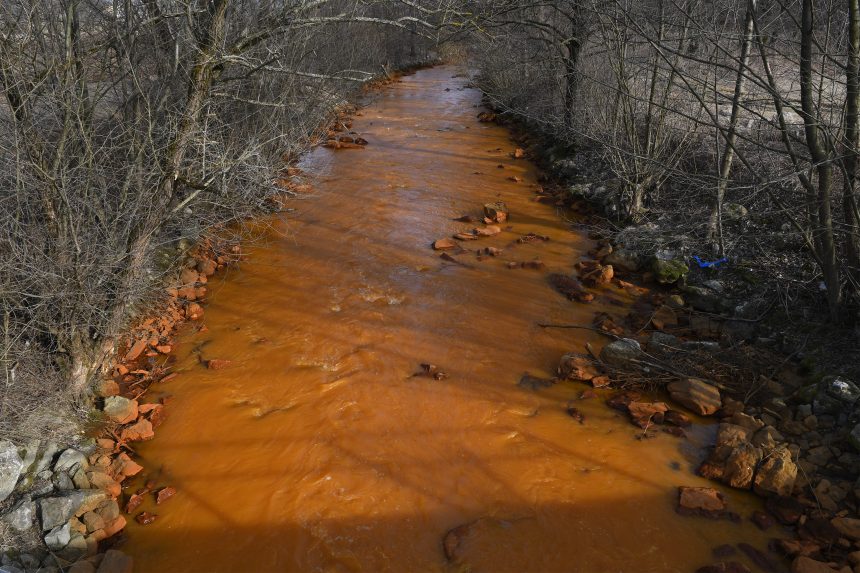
[318, 450]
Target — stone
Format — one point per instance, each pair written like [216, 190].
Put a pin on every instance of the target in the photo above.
[763, 519]
[108, 510]
[621, 352]
[848, 527]
[120, 410]
[443, 244]
[577, 367]
[194, 311]
[667, 271]
[496, 212]
[82, 567]
[93, 521]
[645, 414]
[164, 494]
[776, 474]
[732, 212]
[808, 565]
[696, 395]
[103, 481]
[58, 537]
[787, 510]
[701, 501]
[56, 511]
[675, 418]
[660, 342]
[116, 562]
[140, 431]
[740, 466]
[724, 567]
[107, 388]
[11, 465]
[624, 260]
[22, 516]
[70, 460]
[854, 437]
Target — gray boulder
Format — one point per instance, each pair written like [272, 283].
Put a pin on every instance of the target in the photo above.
[22, 517]
[58, 510]
[70, 460]
[11, 465]
[59, 537]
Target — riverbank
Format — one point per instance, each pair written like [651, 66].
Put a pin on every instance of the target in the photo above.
[66, 504]
[706, 334]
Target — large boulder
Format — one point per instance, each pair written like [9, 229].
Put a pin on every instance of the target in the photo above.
[70, 461]
[696, 395]
[621, 352]
[11, 465]
[740, 467]
[22, 516]
[58, 537]
[59, 509]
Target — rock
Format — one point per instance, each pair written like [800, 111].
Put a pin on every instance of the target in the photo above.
[724, 567]
[58, 537]
[621, 352]
[496, 212]
[660, 342]
[194, 311]
[105, 483]
[145, 518]
[777, 474]
[740, 467]
[443, 244]
[733, 212]
[701, 501]
[218, 364]
[807, 565]
[22, 517]
[487, 231]
[120, 410]
[848, 527]
[667, 271]
[705, 299]
[787, 510]
[140, 431]
[71, 460]
[621, 400]
[108, 510]
[570, 287]
[93, 521]
[854, 437]
[763, 519]
[577, 367]
[82, 567]
[116, 562]
[623, 260]
[11, 465]
[675, 418]
[600, 275]
[164, 494]
[58, 510]
[107, 388]
[696, 395]
[646, 414]
[136, 350]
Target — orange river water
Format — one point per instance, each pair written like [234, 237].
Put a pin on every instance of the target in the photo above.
[318, 451]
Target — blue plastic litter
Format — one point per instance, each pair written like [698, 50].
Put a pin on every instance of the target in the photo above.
[709, 264]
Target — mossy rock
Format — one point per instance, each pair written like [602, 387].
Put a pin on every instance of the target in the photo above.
[668, 271]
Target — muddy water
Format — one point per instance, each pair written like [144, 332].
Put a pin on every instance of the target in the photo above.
[318, 451]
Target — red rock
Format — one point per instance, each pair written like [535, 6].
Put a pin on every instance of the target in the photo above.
[194, 311]
[139, 431]
[443, 244]
[808, 565]
[587, 395]
[120, 370]
[496, 212]
[188, 277]
[518, 153]
[104, 482]
[218, 364]
[164, 348]
[136, 350]
[697, 395]
[787, 510]
[106, 444]
[188, 293]
[114, 527]
[601, 275]
[164, 494]
[145, 518]
[488, 231]
[465, 237]
[147, 408]
[515, 179]
[206, 267]
[577, 367]
[492, 251]
[570, 287]
[645, 414]
[701, 501]
[600, 381]
[108, 388]
[621, 400]
[133, 502]
[575, 414]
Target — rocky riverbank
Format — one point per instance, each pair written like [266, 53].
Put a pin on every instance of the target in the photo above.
[703, 339]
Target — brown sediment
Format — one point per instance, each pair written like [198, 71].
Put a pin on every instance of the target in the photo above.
[320, 449]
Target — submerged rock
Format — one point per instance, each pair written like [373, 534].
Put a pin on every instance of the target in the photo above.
[701, 501]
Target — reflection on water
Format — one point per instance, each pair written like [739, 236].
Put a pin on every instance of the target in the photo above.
[318, 450]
